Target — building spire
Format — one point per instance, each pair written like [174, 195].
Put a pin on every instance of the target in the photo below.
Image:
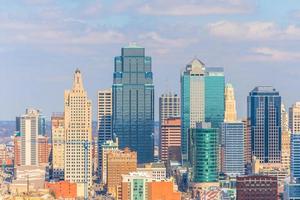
[77, 83]
[230, 107]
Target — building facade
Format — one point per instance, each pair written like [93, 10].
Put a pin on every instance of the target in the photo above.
[230, 104]
[295, 157]
[294, 118]
[133, 102]
[264, 112]
[256, 187]
[232, 146]
[58, 145]
[107, 147]
[202, 99]
[104, 121]
[170, 139]
[29, 131]
[204, 153]
[118, 163]
[78, 133]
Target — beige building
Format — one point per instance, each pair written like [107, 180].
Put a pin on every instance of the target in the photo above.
[294, 118]
[58, 145]
[119, 163]
[285, 140]
[78, 131]
[107, 147]
[29, 129]
[230, 107]
[155, 171]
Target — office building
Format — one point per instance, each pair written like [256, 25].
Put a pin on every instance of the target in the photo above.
[58, 145]
[294, 118]
[232, 146]
[78, 133]
[202, 99]
[264, 112]
[29, 131]
[17, 149]
[204, 153]
[247, 141]
[169, 107]
[256, 187]
[43, 149]
[170, 140]
[155, 171]
[230, 104]
[118, 163]
[104, 120]
[133, 102]
[295, 157]
[107, 147]
[137, 185]
[291, 191]
[214, 96]
[192, 101]
[285, 139]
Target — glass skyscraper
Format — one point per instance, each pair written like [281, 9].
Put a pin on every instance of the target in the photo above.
[133, 102]
[202, 99]
[264, 112]
[232, 145]
[214, 96]
[295, 157]
[204, 151]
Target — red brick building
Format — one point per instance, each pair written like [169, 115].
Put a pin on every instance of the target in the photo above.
[256, 187]
[63, 189]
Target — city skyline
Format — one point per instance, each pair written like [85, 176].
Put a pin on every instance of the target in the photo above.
[89, 39]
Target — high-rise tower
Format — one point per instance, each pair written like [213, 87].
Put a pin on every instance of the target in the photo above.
[230, 105]
[133, 102]
[104, 121]
[264, 112]
[202, 99]
[78, 131]
[29, 131]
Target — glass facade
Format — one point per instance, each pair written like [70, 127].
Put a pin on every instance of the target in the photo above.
[133, 102]
[202, 99]
[204, 154]
[264, 112]
[214, 96]
[295, 157]
[232, 146]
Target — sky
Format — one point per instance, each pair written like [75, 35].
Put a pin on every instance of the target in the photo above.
[42, 42]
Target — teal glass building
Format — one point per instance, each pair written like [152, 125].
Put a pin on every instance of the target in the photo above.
[204, 151]
[202, 100]
[214, 96]
[133, 102]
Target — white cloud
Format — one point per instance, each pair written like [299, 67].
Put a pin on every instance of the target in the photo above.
[193, 8]
[258, 30]
[272, 55]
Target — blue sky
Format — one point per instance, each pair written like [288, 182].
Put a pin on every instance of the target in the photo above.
[42, 42]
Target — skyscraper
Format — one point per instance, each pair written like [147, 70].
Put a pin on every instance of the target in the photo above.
[295, 157]
[285, 139]
[169, 106]
[214, 96]
[232, 145]
[204, 153]
[192, 101]
[104, 121]
[264, 112]
[294, 118]
[230, 105]
[170, 139]
[78, 131]
[58, 145]
[202, 99]
[133, 102]
[29, 131]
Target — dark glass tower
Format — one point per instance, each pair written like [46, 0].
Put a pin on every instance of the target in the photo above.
[264, 112]
[133, 102]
